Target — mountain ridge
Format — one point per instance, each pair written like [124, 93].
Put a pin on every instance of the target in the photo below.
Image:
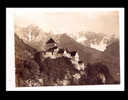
[90, 55]
[30, 66]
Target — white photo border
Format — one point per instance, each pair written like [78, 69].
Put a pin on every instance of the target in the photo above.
[10, 56]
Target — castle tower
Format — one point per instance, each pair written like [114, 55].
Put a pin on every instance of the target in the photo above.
[81, 65]
[73, 54]
[66, 53]
[50, 44]
[50, 48]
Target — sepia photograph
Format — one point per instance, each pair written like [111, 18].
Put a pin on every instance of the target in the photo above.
[65, 48]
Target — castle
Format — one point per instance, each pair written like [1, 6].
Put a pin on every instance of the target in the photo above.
[53, 51]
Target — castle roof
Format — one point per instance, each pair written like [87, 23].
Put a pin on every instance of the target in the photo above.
[50, 41]
[80, 62]
[61, 51]
[73, 53]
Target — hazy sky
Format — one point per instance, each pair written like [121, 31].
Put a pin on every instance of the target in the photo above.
[66, 20]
